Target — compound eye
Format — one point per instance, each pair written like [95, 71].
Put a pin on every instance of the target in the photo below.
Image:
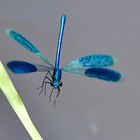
[60, 84]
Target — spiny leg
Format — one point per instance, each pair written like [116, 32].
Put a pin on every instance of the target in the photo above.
[47, 82]
[58, 93]
[50, 95]
[45, 87]
[50, 76]
[44, 82]
[42, 85]
[50, 73]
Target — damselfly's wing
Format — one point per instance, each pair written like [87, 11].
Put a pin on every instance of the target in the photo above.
[91, 61]
[22, 67]
[100, 73]
[26, 44]
[92, 66]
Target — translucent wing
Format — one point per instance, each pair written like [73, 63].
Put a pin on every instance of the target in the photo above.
[91, 61]
[22, 67]
[100, 73]
[26, 44]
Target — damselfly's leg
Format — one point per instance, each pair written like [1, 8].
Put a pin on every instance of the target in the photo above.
[58, 93]
[50, 95]
[41, 86]
[50, 81]
[50, 73]
[44, 82]
[45, 87]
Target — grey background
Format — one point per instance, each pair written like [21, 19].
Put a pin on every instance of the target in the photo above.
[88, 109]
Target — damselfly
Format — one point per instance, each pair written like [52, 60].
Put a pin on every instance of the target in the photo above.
[90, 65]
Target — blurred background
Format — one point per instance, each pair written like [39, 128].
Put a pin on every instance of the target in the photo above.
[87, 109]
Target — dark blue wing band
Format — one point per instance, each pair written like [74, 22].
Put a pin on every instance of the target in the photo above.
[104, 74]
[21, 67]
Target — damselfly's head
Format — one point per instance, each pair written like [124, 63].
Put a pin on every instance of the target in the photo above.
[56, 84]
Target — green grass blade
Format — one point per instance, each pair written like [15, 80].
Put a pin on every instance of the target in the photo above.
[17, 104]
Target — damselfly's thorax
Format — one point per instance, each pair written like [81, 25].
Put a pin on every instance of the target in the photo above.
[56, 79]
[57, 73]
